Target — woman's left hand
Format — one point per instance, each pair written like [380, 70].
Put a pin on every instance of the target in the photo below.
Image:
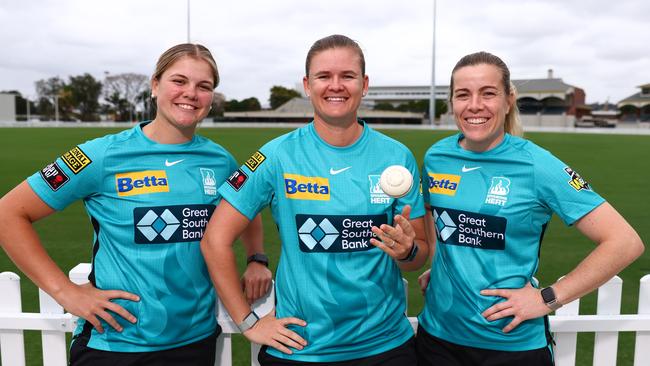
[522, 304]
[397, 240]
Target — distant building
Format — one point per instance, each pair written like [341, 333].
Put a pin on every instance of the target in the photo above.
[547, 102]
[636, 107]
[7, 107]
[300, 110]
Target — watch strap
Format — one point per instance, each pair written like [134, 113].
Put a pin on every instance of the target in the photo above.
[412, 254]
[259, 258]
[548, 295]
[249, 321]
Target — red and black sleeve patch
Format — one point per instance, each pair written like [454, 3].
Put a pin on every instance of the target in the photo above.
[54, 176]
[237, 179]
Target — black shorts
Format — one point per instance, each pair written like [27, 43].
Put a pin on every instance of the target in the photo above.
[403, 355]
[200, 353]
[432, 351]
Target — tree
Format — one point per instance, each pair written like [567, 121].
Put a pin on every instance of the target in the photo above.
[245, 105]
[51, 90]
[83, 93]
[383, 106]
[281, 95]
[124, 87]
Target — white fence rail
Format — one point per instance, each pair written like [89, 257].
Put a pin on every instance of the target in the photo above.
[566, 324]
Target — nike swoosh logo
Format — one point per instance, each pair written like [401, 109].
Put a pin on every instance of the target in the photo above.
[335, 172]
[465, 170]
[172, 163]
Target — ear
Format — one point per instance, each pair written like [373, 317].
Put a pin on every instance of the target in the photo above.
[365, 85]
[305, 85]
[511, 101]
[154, 87]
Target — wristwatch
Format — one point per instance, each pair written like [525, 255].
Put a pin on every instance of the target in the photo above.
[412, 254]
[248, 322]
[259, 258]
[548, 295]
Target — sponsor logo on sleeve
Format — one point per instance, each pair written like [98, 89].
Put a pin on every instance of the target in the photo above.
[576, 180]
[135, 183]
[209, 182]
[337, 233]
[299, 187]
[255, 160]
[446, 184]
[171, 224]
[377, 195]
[498, 192]
[54, 176]
[76, 159]
[469, 229]
[237, 179]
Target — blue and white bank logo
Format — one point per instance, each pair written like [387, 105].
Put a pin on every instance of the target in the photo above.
[170, 224]
[470, 229]
[324, 233]
[444, 224]
[337, 233]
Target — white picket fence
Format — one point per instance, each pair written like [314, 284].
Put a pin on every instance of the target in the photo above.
[565, 324]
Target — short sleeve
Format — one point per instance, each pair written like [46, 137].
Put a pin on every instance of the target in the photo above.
[563, 190]
[74, 175]
[250, 187]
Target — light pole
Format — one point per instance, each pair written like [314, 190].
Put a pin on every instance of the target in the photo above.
[188, 21]
[56, 108]
[432, 99]
[28, 111]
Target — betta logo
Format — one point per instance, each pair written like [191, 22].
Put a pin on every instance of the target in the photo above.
[148, 181]
[446, 184]
[299, 187]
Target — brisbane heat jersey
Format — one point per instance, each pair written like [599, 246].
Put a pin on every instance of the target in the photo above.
[490, 211]
[324, 200]
[149, 204]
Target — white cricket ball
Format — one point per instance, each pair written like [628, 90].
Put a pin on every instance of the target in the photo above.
[396, 181]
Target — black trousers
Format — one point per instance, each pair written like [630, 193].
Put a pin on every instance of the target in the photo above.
[403, 355]
[200, 353]
[432, 351]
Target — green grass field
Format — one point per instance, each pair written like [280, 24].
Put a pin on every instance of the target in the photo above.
[611, 163]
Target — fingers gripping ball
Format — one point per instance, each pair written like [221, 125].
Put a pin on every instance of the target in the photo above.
[396, 181]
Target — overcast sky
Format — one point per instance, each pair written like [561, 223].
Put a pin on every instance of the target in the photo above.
[600, 46]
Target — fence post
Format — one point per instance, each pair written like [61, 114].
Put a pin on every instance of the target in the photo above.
[12, 342]
[641, 349]
[609, 303]
[565, 343]
[54, 346]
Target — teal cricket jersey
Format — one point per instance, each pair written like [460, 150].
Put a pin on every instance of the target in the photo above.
[490, 211]
[149, 204]
[324, 200]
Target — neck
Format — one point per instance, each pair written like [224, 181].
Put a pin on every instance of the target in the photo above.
[164, 133]
[480, 146]
[338, 134]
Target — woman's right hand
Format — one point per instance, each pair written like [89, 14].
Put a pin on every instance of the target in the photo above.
[273, 332]
[90, 303]
[423, 280]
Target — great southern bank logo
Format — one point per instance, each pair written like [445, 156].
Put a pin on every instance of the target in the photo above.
[337, 233]
[312, 234]
[171, 224]
[151, 225]
[470, 229]
[444, 224]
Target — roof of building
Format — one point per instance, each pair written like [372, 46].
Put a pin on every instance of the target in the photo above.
[555, 85]
[636, 97]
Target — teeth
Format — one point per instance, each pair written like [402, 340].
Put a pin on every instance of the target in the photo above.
[476, 120]
[186, 106]
[335, 99]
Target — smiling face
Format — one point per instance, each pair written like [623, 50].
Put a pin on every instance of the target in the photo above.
[184, 93]
[480, 105]
[335, 85]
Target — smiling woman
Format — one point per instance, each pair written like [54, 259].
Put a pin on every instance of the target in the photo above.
[339, 290]
[482, 303]
[149, 192]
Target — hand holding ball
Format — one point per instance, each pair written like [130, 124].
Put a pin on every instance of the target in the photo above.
[396, 181]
